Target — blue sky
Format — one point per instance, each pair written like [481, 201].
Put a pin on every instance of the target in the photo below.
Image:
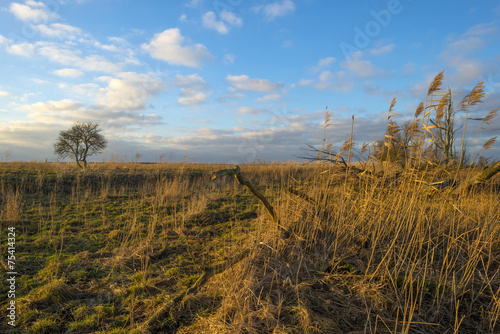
[233, 80]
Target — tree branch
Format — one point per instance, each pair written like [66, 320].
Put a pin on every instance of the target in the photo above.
[236, 172]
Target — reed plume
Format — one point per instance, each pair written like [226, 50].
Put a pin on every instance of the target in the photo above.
[443, 103]
[473, 98]
[436, 83]
[489, 144]
[484, 121]
[419, 110]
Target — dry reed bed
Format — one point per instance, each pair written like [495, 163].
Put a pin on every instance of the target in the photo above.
[370, 257]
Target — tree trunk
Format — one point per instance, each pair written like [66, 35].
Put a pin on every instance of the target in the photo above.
[77, 161]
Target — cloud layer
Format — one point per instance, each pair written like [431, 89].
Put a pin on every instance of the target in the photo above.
[230, 80]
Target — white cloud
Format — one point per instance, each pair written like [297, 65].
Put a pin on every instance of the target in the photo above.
[193, 98]
[34, 3]
[209, 20]
[276, 9]
[28, 137]
[232, 95]
[382, 50]
[59, 30]
[39, 81]
[23, 49]
[3, 40]
[228, 58]
[270, 97]
[32, 11]
[58, 54]
[53, 106]
[483, 29]
[321, 85]
[244, 83]
[305, 82]
[68, 111]
[128, 90]
[194, 3]
[326, 76]
[4, 93]
[249, 111]
[88, 89]
[360, 67]
[169, 46]
[69, 53]
[338, 82]
[120, 104]
[107, 47]
[193, 80]
[470, 42]
[118, 40]
[65, 111]
[459, 51]
[66, 56]
[193, 89]
[231, 18]
[98, 64]
[468, 70]
[323, 63]
[212, 133]
[463, 47]
[68, 72]
[25, 96]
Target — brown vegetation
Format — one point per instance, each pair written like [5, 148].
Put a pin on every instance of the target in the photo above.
[105, 250]
[407, 241]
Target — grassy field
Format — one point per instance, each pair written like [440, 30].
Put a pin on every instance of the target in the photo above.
[103, 250]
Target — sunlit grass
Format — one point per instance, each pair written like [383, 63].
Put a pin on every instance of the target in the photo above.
[101, 250]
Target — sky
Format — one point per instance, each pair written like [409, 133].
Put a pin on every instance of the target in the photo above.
[234, 81]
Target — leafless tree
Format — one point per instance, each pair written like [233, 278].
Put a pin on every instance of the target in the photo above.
[81, 141]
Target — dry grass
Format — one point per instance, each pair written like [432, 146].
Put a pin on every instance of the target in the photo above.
[367, 257]
[102, 250]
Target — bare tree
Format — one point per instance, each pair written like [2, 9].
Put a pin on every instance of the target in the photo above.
[81, 141]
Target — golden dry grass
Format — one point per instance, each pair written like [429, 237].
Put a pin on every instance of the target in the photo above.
[367, 252]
